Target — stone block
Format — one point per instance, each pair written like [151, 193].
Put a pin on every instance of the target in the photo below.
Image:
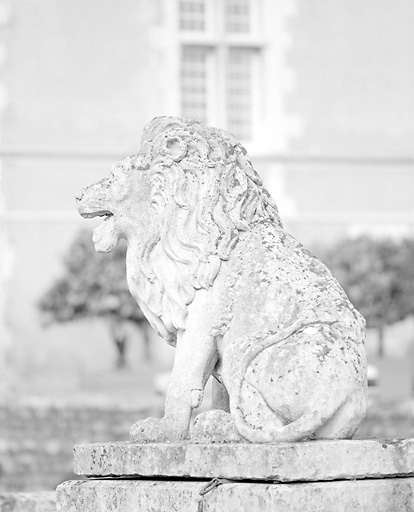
[284, 462]
[382, 495]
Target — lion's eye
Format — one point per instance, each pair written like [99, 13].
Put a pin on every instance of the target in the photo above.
[115, 171]
[137, 162]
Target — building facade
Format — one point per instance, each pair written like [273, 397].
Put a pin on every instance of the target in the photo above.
[321, 92]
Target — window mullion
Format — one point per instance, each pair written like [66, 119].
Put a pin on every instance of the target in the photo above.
[221, 85]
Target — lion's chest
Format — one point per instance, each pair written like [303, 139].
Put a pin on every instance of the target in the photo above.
[149, 297]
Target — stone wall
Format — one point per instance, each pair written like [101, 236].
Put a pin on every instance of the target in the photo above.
[36, 439]
[388, 420]
[28, 501]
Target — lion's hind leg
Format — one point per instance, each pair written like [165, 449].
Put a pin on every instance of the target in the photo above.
[218, 426]
[292, 388]
[339, 425]
[256, 411]
[215, 426]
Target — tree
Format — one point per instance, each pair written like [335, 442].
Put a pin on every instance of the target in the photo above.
[378, 277]
[94, 285]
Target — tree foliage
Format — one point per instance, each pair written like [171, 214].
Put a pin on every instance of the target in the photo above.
[92, 285]
[377, 275]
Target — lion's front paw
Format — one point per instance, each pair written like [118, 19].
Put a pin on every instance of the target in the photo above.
[153, 430]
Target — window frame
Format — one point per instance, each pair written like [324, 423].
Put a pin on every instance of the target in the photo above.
[220, 44]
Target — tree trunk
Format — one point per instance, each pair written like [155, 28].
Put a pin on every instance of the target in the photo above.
[120, 337]
[147, 341]
[121, 345]
[381, 347]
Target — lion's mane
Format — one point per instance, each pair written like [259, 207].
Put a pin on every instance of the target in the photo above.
[204, 193]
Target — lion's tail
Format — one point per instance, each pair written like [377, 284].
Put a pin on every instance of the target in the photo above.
[239, 358]
[302, 428]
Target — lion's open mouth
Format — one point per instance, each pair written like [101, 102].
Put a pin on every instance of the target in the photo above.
[105, 235]
[92, 202]
[98, 213]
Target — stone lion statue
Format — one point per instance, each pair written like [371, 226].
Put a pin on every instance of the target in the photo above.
[213, 270]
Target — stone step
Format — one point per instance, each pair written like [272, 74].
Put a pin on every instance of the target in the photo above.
[382, 495]
[284, 462]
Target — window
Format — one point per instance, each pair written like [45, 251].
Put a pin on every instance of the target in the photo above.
[192, 15]
[220, 58]
[237, 16]
[239, 92]
[194, 80]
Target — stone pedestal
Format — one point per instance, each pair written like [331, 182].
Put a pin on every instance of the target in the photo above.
[325, 476]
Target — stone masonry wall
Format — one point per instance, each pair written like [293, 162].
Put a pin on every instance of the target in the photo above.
[28, 501]
[36, 439]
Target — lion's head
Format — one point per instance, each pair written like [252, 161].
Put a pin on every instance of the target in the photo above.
[188, 193]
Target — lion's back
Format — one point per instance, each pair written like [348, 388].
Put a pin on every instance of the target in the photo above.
[276, 282]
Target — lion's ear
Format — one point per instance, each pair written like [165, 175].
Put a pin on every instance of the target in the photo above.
[176, 148]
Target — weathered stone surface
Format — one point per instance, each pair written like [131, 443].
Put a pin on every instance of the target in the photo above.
[212, 268]
[44, 501]
[284, 462]
[388, 495]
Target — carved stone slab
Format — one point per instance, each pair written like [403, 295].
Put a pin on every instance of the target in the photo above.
[387, 495]
[284, 462]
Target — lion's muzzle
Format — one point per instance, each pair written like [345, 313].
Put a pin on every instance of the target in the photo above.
[95, 200]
